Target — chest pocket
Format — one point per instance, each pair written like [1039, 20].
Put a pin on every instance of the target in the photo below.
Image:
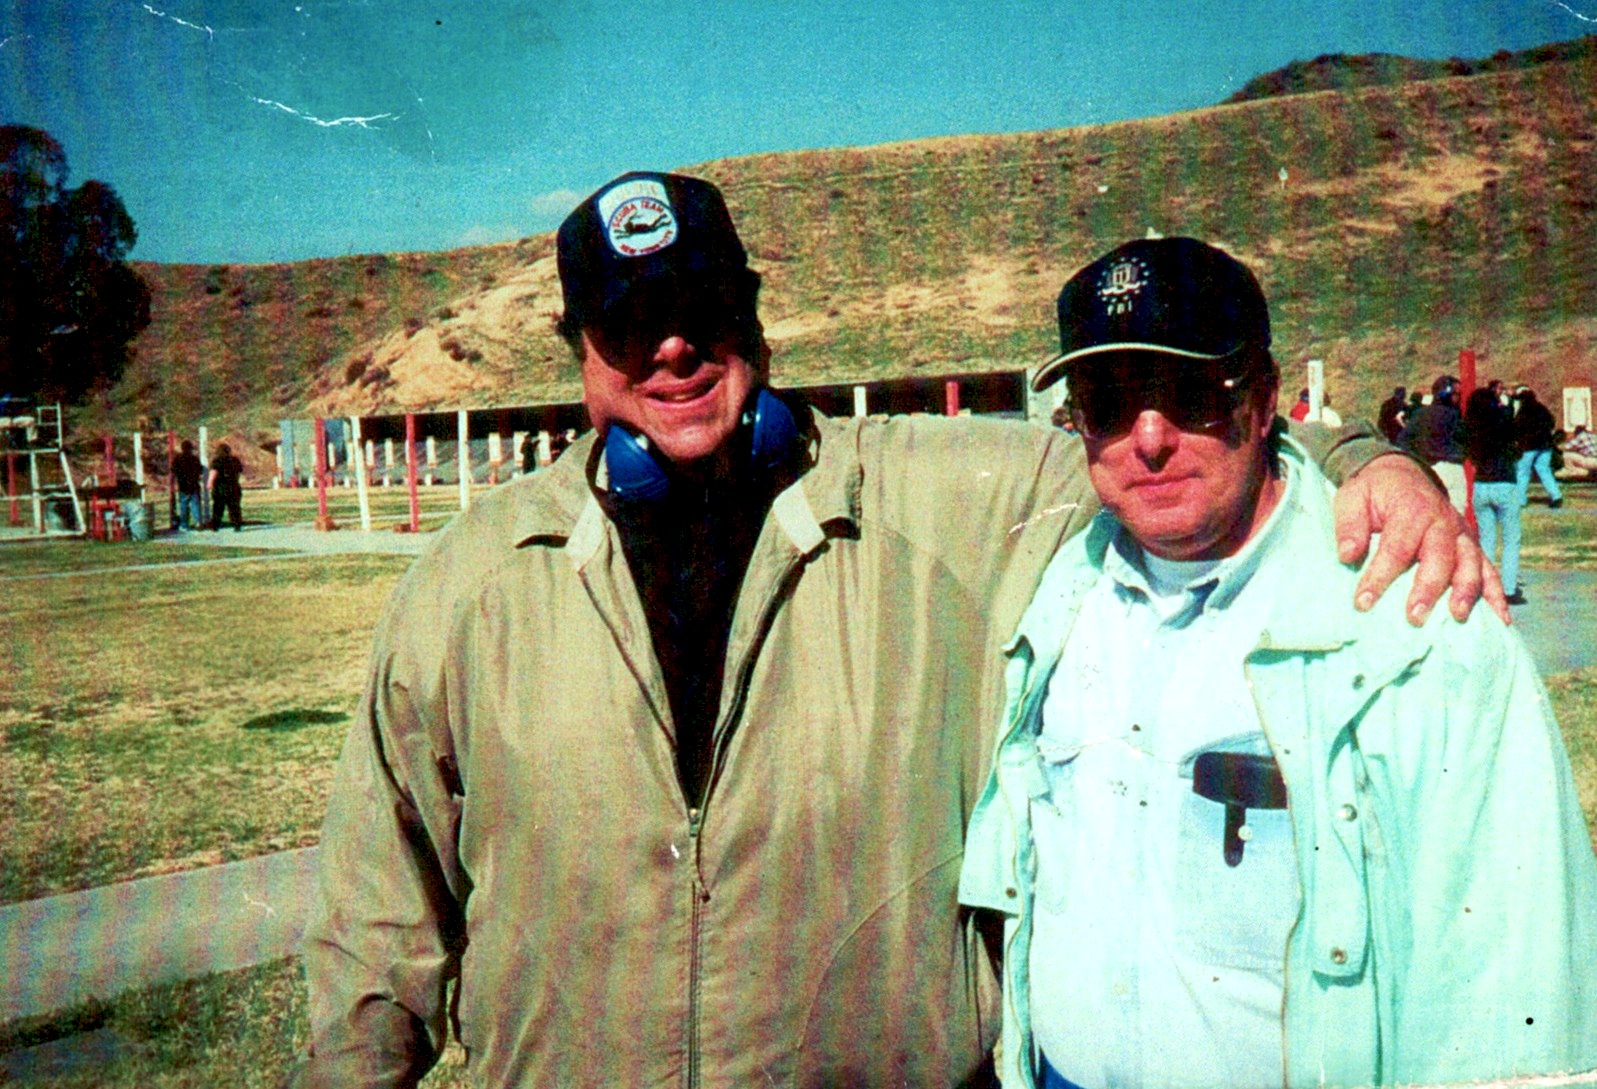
[1237, 891]
[1052, 822]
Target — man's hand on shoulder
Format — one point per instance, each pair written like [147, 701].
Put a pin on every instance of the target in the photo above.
[1395, 497]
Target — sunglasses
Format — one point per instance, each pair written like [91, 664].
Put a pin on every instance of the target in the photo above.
[703, 319]
[1104, 406]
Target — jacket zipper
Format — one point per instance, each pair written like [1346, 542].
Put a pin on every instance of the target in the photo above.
[695, 817]
[701, 895]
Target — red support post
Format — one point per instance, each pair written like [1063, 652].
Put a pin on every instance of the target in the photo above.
[951, 397]
[323, 522]
[410, 471]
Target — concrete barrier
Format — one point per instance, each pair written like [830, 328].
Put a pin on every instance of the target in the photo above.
[64, 950]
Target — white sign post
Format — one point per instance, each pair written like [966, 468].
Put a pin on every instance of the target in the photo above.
[1316, 388]
[358, 467]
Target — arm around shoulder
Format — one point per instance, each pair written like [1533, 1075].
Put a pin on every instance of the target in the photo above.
[1340, 451]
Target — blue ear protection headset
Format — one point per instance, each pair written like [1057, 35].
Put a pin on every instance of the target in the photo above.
[635, 474]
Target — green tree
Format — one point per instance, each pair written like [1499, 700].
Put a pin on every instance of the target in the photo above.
[69, 303]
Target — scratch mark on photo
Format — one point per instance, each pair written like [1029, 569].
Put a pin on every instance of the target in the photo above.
[179, 22]
[252, 902]
[1046, 512]
[337, 122]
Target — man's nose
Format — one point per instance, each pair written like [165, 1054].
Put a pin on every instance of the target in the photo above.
[1154, 436]
[676, 354]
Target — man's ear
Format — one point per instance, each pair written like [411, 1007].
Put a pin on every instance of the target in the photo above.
[761, 363]
[1266, 390]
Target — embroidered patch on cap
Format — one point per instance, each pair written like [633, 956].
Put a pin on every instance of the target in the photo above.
[638, 218]
[1120, 285]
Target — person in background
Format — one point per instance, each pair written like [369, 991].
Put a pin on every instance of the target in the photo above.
[1237, 833]
[1489, 443]
[1393, 410]
[187, 476]
[1533, 428]
[1328, 415]
[1434, 435]
[1580, 451]
[227, 488]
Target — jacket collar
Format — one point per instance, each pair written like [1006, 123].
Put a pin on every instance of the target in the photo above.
[826, 499]
[1070, 574]
[1320, 620]
[551, 511]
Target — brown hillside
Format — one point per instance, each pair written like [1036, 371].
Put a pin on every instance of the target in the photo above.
[1349, 71]
[1415, 220]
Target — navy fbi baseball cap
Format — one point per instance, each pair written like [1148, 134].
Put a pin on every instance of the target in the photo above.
[1171, 296]
[646, 229]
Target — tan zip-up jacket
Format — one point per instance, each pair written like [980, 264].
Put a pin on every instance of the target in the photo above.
[507, 813]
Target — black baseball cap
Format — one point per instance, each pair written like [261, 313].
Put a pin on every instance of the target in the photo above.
[1171, 296]
[647, 229]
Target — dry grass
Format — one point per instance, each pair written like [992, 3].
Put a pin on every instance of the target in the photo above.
[239, 1029]
[1574, 699]
[244, 1028]
[1565, 538]
[164, 719]
[161, 719]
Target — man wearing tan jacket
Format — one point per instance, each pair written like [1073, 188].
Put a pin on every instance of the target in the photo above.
[662, 771]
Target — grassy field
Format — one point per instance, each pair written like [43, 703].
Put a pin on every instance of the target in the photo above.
[238, 1029]
[156, 720]
[1564, 538]
[165, 718]
[243, 1029]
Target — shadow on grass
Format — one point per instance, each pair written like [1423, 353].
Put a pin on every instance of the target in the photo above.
[242, 1029]
[295, 718]
[239, 1029]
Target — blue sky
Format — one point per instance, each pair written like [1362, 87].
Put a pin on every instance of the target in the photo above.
[264, 130]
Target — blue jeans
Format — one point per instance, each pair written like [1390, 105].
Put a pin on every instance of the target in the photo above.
[1541, 461]
[1497, 514]
[1053, 1079]
[188, 510]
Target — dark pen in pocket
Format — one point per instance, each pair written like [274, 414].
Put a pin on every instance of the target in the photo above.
[1240, 782]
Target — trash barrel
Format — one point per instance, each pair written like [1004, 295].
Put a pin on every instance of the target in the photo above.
[59, 514]
[136, 514]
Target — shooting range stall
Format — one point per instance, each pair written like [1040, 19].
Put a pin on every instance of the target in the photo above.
[41, 499]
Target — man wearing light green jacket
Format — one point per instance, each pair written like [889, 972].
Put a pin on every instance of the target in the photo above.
[1239, 833]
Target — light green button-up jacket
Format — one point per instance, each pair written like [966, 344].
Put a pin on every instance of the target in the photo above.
[1448, 931]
